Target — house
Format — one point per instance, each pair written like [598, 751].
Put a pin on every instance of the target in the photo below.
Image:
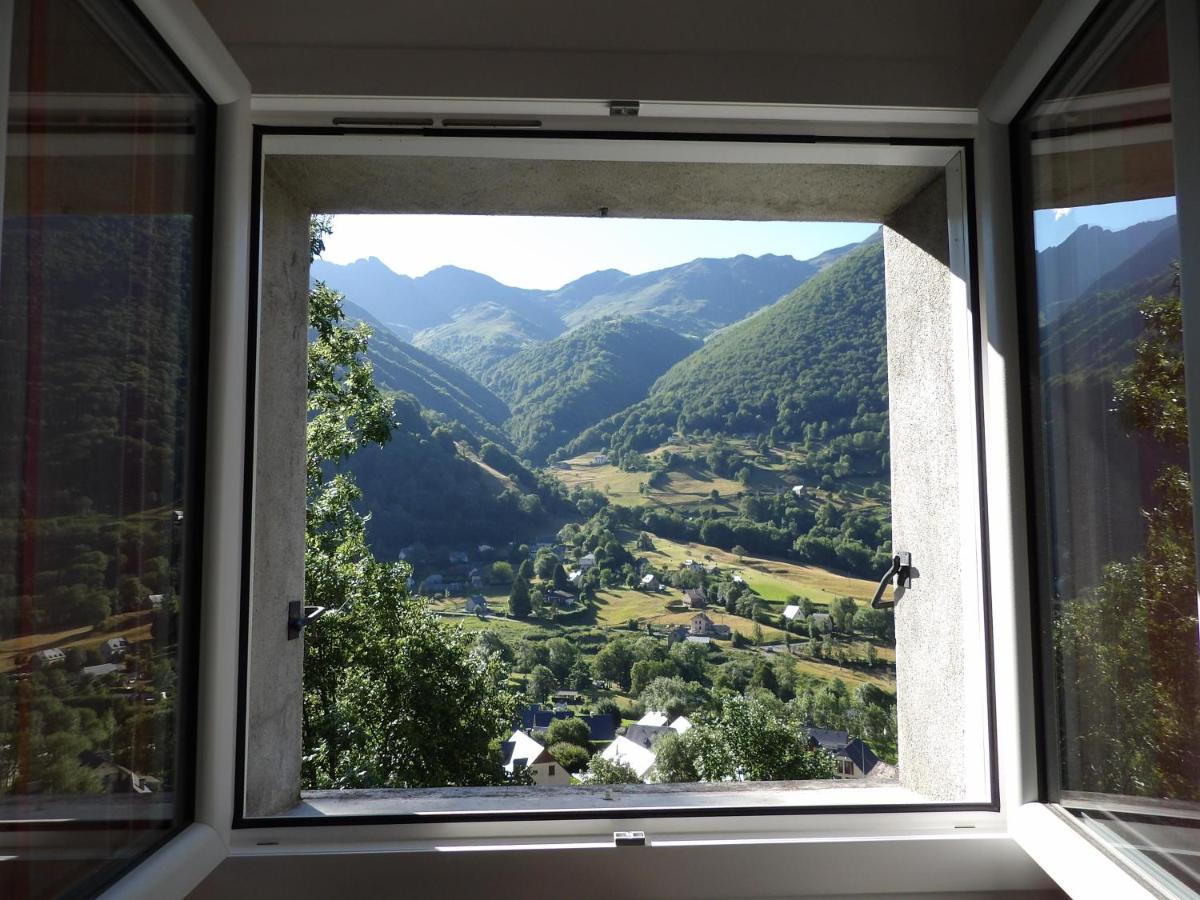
[854, 758]
[690, 564]
[565, 697]
[695, 598]
[700, 624]
[155, 601]
[114, 648]
[101, 670]
[476, 605]
[458, 557]
[681, 724]
[522, 752]
[575, 577]
[648, 735]
[654, 719]
[587, 561]
[791, 611]
[799, 490]
[724, 632]
[600, 459]
[650, 582]
[676, 634]
[821, 622]
[623, 750]
[484, 549]
[737, 578]
[44, 659]
[561, 599]
[699, 639]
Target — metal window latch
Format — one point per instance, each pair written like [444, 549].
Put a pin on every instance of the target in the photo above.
[624, 107]
[300, 616]
[901, 570]
[629, 838]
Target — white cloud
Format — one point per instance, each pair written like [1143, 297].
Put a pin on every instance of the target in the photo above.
[1062, 212]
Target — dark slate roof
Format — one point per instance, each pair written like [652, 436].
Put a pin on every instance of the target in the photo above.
[829, 738]
[861, 755]
[647, 735]
[601, 727]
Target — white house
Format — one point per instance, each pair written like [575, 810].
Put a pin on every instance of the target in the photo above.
[523, 752]
[114, 648]
[51, 656]
[650, 582]
[791, 611]
[653, 718]
[587, 561]
[476, 605]
[681, 724]
[799, 490]
[639, 758]
[600, 459]
[575, 576]
[156, 601]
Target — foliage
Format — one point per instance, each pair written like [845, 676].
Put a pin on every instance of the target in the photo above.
[559, 388]
[370, 718]
[569, 731]
[572, 757]
[603, 771]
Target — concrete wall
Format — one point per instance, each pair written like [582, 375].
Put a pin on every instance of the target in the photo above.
[935, 618]
[275, 682]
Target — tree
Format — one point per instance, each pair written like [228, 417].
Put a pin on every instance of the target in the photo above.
[541, 684]
[570, 731]
[502, 572]
[519, 604]
[561, 582]
[603, 771]
[544, 564]
[526, 570]
[842, 611]
[571, 757]
[562, 655]
[613, 663]
[369, 718]
[739, 551]
[675, 759]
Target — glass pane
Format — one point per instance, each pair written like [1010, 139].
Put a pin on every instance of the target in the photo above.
[1117, 564]
[104, 219]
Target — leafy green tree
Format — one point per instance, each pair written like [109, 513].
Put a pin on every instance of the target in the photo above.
[613, 663]
[675, 759]
[544, 564]
[562, 655]
[502, 572]
[603, 771]
[561, 582]
[369, 718]
[541, 684]
[571, 757]
[570, 731]
[519, 603]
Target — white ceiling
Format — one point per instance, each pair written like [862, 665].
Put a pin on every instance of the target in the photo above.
[848, 52]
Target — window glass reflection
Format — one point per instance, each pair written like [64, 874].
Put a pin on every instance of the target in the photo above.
[101, 236]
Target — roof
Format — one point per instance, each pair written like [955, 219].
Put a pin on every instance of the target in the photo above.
[861, 755]
[637, 757]
[100, 670]
[791, 611]
[703, 616]
[521, 748]
[681, 724]
[653, 718]
[698, 639]
[647, 579]
[646, 735]
[601, 727]
[829, 738]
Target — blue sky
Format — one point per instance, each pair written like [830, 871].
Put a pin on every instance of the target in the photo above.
[1053, 226]
[547, 252]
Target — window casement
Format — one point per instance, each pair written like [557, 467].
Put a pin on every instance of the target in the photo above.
[920, 192]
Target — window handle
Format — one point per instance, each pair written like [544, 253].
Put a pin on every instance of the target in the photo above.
[300, 616]
[901, 570]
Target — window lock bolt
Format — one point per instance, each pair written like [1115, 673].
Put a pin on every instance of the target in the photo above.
[629, 838]
[901, 570]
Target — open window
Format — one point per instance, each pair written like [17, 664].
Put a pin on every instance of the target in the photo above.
[895, 463]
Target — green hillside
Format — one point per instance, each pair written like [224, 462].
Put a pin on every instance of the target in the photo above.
[558, 389]
[437, 482]
[478, 338]
[810, 369]
[436, 384]
[695, 298]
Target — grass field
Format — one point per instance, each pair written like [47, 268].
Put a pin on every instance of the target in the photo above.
[133, 626]
[772, 579]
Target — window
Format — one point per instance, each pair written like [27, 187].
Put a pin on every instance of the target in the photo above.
[1115, 552]
[103, 314]
[809, 476]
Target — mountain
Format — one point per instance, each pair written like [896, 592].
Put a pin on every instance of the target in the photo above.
[439, 483]
[823, 261]
[1067, 270]
[436, 384]
[479, 337]
[695, 298]
[408, 305]
[811, 367]
[558, 389]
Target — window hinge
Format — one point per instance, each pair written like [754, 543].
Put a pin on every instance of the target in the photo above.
[301, 616]
[624, 107]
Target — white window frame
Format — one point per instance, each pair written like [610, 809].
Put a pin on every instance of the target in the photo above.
[927, 839]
